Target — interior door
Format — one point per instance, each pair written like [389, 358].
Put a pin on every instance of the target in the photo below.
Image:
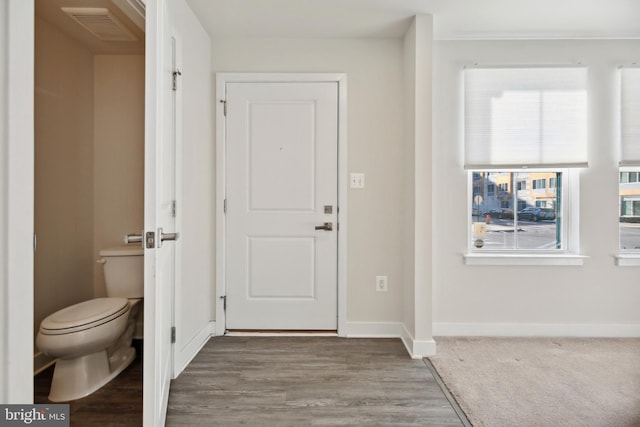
[176, 116]
[161, 128]
[282, 192]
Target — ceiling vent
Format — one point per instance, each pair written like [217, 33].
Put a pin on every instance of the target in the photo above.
[101, 23]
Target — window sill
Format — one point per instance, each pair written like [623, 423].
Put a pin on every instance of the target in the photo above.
[627, 260]
[523, 259]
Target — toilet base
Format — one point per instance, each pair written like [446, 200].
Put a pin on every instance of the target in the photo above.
[79, 377]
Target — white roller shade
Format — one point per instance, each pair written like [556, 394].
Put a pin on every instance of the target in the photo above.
[525, 117]
[630, 117]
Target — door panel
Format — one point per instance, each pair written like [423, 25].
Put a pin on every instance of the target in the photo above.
[281, 156]
[282, 171]
[281, 267]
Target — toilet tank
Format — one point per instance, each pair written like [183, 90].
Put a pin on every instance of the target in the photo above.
[123, 271]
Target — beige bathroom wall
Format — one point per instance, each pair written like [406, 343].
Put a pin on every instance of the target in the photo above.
[63, 172]
[118, 156]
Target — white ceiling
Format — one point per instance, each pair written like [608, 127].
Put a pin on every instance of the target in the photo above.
[453, 19]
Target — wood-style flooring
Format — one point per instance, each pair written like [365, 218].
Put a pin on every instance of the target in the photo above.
[279, 381]
[119, 403]
[307, 381]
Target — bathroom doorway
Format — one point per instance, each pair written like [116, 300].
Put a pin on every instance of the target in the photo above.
[89, 147]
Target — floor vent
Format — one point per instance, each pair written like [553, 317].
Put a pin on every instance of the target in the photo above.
[101, 23]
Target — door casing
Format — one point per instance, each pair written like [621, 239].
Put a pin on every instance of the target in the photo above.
[221, 173]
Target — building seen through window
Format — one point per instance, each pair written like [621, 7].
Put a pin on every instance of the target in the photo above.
[630, 210]
[524, 213]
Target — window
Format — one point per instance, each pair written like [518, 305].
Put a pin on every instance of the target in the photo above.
[539, 183]
[629, 188]
[534, 224]
[491, 189]
[525, 129]
[629, 196]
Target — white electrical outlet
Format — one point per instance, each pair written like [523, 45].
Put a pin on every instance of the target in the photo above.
[381, 283]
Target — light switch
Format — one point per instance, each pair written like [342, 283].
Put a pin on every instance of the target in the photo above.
[357, 180]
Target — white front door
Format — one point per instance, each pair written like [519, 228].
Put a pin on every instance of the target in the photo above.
[282, 205]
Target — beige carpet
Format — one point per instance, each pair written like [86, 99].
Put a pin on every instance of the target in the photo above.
[543, 381]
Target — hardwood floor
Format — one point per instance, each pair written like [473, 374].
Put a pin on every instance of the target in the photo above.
[119, 403]
[307, 381]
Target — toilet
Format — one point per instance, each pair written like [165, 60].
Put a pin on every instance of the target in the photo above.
[92, 340]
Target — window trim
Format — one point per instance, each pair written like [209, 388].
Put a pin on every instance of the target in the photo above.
[568, 254]
[561, 259]
[626, 257]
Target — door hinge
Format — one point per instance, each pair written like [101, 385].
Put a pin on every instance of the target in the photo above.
[224, 302]
[175, 74]
[224, 207]
[174, 208]
[224, 106]
[173, 335]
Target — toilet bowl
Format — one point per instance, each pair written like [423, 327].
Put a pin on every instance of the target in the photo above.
[91, 340]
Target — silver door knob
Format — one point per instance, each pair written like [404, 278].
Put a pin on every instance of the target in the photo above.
[132, 238]
[166, 236]
[328, 226]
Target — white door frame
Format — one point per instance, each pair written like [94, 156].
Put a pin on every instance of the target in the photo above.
[221, 185]
[16, 201]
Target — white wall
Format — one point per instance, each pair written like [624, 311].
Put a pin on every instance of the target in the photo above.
[408, 208]
[118, 154]
[375, 74]
[63, 172]
[597, 298]
[417, 317]
[195, 274]
[423, 192]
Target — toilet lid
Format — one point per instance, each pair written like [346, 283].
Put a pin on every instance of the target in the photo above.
[84, 315]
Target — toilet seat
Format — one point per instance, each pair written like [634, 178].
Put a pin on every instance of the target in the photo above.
[85, 315]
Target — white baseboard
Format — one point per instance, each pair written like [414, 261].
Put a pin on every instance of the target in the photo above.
[281, 334]
[185, 355]
[536, 329]
[372, 330]
[41, 362]
[417, 348]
